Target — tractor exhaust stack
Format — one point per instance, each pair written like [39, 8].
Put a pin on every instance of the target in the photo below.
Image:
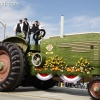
[62, 27]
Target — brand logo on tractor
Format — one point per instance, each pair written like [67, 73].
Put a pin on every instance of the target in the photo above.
[49, 47]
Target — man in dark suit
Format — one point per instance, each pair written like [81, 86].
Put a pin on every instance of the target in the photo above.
[33, 28]
[25, 27]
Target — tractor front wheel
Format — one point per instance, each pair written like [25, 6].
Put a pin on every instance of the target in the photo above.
[11, 66]
[43, 85]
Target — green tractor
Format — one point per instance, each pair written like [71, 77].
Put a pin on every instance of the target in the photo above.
[54, 59]
[14, 66]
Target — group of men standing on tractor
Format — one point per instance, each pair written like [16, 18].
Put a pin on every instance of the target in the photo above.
[26, 29]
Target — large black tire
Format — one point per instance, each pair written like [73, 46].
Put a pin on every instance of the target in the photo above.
[22, 73]
[16, 65]
[94, 82]
[43, 85]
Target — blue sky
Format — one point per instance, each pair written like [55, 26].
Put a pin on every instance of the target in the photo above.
[79, 15]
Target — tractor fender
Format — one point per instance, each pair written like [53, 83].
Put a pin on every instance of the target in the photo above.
[22, 43]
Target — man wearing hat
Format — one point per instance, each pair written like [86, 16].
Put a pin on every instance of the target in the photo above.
[18, 27]
[25, 28]
[33, 28]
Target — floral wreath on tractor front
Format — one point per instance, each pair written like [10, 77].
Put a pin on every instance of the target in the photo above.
[56, 66]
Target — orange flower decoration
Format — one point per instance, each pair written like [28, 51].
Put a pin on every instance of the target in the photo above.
[78, 70]
[69, 69]
[56, 68]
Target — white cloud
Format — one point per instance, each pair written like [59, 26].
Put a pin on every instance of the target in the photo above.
[51, 29]
[10, 16]
[82, 24]
[77, 24]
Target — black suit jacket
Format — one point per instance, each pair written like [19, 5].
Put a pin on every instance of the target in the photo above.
[35, 28]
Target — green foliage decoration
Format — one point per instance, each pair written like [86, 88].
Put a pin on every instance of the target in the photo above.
[56, 66]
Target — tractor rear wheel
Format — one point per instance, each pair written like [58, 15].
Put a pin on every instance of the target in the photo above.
[11, 66]
[94, 88]
[43, 85]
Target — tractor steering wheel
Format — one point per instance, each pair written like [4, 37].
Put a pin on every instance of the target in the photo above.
[39, 34]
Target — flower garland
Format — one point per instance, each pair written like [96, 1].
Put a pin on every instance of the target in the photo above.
[56, 66]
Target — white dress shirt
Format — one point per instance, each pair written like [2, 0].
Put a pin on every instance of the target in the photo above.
[21, 25]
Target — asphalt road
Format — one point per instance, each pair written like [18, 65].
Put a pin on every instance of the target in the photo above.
[56, 93]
